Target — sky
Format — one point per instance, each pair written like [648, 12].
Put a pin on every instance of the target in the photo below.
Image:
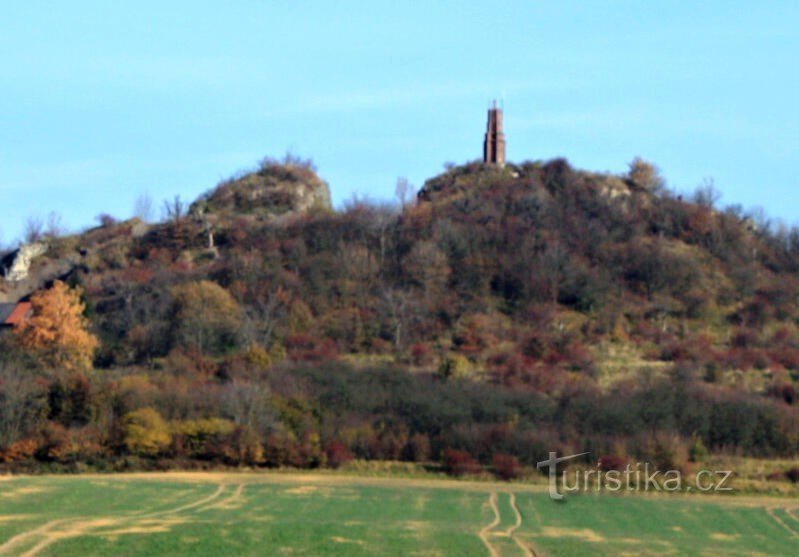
[103, 102]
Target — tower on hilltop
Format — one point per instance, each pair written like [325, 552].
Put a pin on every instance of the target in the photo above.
[494, 142]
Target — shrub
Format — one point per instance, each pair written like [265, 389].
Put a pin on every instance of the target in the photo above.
[418, 448]
[613, 462]
[422, 354]
[793, 474]
[206, 317]
[698, 451]
[204, 438]
[60, 444]
[459, 463]
[308, 348]
[454, 367]
[506, 467]
[337, 454]
[245, 447]
[24, 449]
[669, 452]
[146, 432]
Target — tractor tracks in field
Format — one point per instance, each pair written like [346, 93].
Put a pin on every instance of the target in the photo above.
[486, 530]
[788, 527]
[32, 542]
[20, 539]
[489, 531]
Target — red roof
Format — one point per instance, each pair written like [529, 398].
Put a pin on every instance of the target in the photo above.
[20, 313]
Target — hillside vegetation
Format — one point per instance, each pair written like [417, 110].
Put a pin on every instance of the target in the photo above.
[506, 312]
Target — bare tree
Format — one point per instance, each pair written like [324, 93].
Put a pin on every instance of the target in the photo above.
[706, 194]
[55, 225]
[174, 210]
[396, 311]
[403, 191]
[143, 207]
[248, 405]
[34, 229]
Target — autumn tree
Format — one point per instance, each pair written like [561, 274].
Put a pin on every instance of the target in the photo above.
[57, 332]
[645, 175]
[146, 432]
[207, 317]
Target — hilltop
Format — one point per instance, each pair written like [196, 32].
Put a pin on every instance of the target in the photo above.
[587, 307]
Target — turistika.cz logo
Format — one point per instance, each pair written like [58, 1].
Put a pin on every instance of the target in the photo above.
[641, 476]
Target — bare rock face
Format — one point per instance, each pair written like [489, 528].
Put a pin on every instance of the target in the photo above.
[17, 265]
[275, 189]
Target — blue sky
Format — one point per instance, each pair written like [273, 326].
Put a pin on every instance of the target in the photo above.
[102, 101]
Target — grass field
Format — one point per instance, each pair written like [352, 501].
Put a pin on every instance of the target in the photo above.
[207, 514]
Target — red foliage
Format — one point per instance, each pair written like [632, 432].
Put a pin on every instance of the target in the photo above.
[613, 462]
[458, 463]
[786, 356]
[307, 348]
[191, 362]
[506, 467]
[697, 349]
[337, 454]
[422, 354]
[23, 449]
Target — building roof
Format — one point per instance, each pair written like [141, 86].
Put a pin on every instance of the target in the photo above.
[14, 314]
[20, 313]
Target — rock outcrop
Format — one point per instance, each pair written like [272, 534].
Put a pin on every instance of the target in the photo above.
[16, 266]
[275, 189]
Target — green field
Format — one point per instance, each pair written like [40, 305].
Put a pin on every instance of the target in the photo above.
[208, 514]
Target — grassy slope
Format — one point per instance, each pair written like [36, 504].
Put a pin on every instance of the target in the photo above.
[303, 514]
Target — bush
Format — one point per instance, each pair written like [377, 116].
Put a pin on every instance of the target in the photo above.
[698, 451]
[418, 448]
[204, 438]
[506, 467]
[613, 462]
[24, 449]
[459, 463]
[337, 454]
[793, 474]
[245, 447]
[146, 432]
[309, 348]
[454, 367]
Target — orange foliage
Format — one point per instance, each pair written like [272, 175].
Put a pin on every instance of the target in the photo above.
[57, 333]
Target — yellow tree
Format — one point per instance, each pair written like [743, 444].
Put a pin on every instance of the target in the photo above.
[57, 331]
[208, 318]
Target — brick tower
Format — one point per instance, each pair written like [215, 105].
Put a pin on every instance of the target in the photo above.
[494, 143]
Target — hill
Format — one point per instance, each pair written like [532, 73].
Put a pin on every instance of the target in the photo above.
[513, 310]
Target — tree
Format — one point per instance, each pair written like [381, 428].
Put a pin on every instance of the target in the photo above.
[34, 229]
[207, 317]
[146, 432]
[143, 207]
[403, 192]
[174, 210]
[22, 404]
[645, 175]
[57, 332]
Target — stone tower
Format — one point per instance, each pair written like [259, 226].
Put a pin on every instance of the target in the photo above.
[494, 143]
